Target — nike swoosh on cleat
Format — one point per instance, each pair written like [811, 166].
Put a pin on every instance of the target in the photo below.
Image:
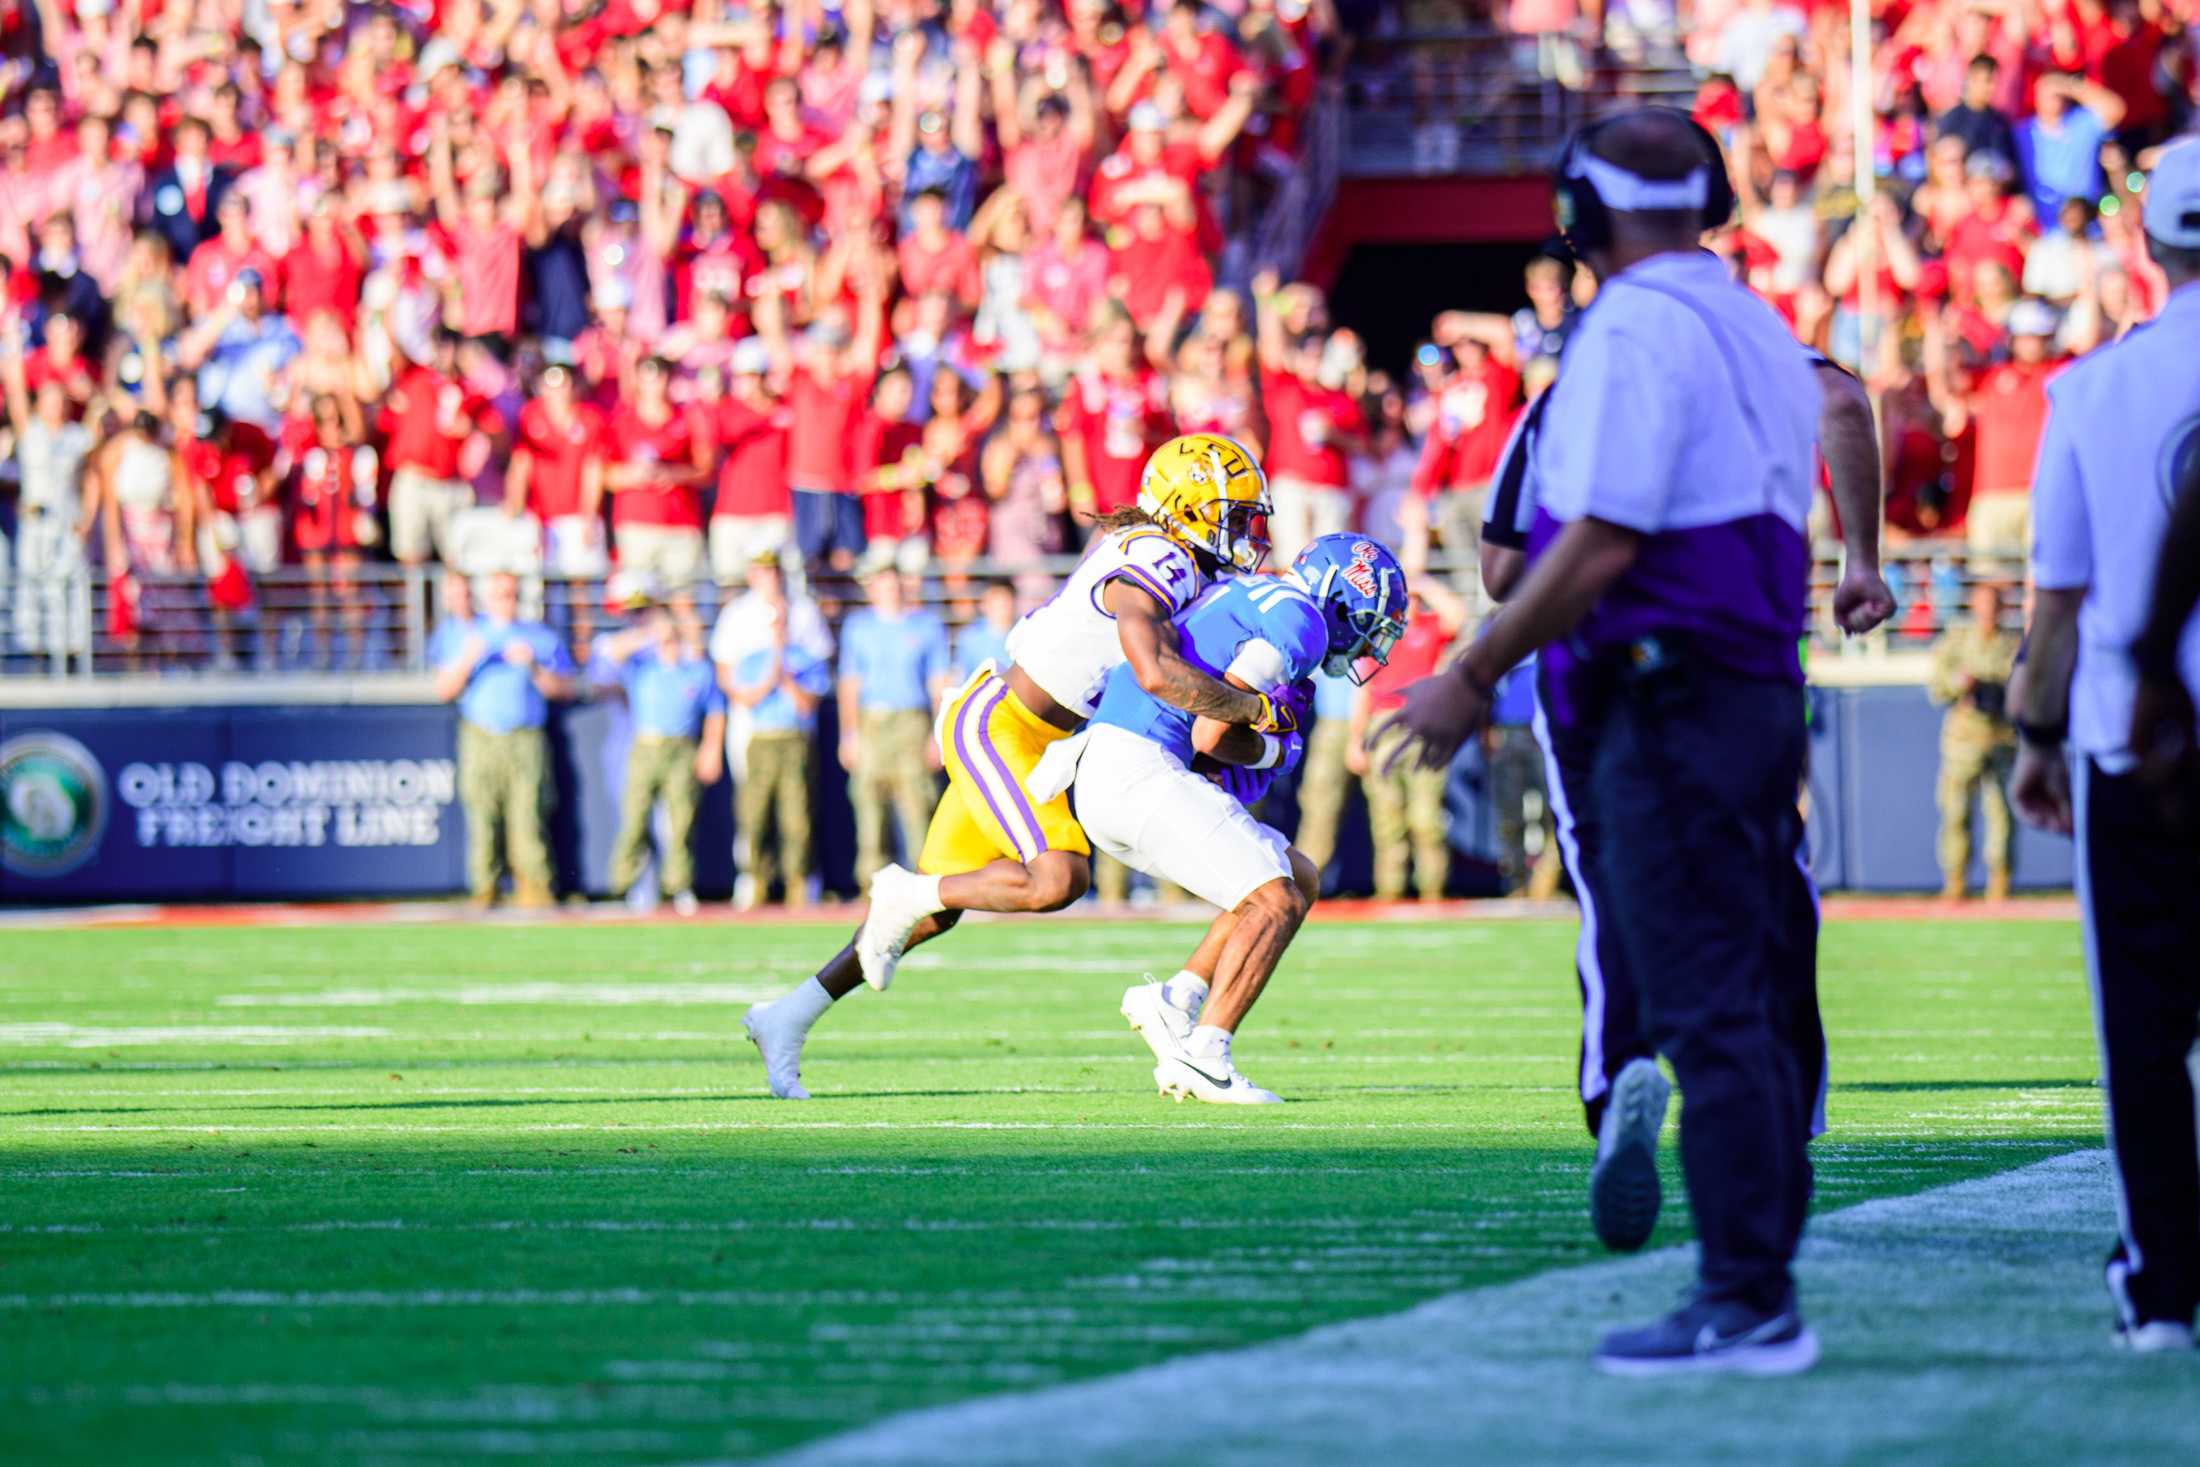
[1709, 1340]
[1216, 1081]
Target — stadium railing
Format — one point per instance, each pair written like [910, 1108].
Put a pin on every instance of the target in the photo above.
[1480, 101]
[298, 628]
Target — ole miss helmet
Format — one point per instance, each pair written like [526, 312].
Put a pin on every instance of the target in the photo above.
[1362, 593]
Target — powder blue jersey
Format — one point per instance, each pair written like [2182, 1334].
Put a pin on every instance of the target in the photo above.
[1274, 617]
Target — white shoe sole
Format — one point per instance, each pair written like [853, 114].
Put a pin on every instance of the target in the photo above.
[792, 1089]
[1173, 1080]
[2156, 1338]
[1624, 1192]
[875, 943]
[1789, 1357]
[1147, 1012]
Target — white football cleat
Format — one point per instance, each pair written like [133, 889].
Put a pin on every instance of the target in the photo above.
[898, 903]
[1210, 1077]
[1166, 1028]
[780, 1043]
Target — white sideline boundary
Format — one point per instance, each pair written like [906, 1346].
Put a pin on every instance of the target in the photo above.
[1963, 1324]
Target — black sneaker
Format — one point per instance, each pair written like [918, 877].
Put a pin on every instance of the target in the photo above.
[1704, 1337]
[2139, 1335]
[1623, 1184]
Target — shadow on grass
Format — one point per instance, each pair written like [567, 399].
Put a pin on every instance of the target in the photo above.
[1900, 1087]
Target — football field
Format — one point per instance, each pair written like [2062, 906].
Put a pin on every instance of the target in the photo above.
[440, 1192]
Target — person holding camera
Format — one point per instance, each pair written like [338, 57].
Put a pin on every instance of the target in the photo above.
[1972, 662]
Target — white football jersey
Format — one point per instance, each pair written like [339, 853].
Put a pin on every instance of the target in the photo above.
[1070, 645]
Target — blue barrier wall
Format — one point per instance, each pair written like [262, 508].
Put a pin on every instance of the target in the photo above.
[276, 802]
[211, 802]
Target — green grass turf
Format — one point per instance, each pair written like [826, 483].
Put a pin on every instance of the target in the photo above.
[439, 1192]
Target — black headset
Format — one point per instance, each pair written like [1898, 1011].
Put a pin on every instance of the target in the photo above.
[1585, 223]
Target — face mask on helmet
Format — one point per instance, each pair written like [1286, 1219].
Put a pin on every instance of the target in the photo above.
[1374, 635]
[1241, 538]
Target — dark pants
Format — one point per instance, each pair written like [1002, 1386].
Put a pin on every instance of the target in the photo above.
[2138, 873]
[1612, 1034]
[826, 522]
[1694, 779]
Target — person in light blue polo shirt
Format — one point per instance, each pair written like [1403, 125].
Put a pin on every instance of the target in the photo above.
[1325, 774]
[893, 669]
[240, 353]
[503, 673]
[2059, 145]
[679, 747]
[777, 688]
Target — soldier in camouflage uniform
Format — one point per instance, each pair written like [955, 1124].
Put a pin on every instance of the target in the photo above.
[1405, 803]
[503, 673]
[678, 716]
[893, 669]
[1971, 668]
[1324, 777]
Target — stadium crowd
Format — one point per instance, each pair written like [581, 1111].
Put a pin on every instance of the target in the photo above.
[304, 286]
[718, 296]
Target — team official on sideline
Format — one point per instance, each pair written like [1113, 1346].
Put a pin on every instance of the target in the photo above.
[1666, 592]
[2120, 456]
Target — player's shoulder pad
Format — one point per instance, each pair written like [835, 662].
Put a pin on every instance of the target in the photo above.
[1155, 556]
[1300, 629]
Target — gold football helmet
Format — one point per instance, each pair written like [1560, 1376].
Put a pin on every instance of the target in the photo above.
[1209, 492]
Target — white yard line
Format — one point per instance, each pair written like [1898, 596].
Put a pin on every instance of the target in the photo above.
[1962, 1324]
[643, 1127]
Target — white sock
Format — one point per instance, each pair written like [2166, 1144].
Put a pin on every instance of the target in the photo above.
[1207, 1039]
[804, 1005]
[928, 887]
[1186, 992]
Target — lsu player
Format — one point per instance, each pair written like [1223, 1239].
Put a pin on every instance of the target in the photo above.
[1202, 513]
[1140, 787]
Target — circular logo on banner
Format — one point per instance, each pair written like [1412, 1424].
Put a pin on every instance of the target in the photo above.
[53, 804]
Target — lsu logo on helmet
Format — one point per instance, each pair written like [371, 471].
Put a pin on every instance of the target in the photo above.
[1209, 492]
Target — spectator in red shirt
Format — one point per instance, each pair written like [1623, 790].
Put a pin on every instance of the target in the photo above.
[893, 472]
[1475, 408]
[228, 254]
[1158, 259]
[487, 230]
[753, 515]
[659, 460]
[229, 143]
[828, 380]
[1204, 62]
[59, 361]
[332, 500]
[1405, 802]
[438, 432]
[1065, 280]
[713, 258]
[2006, 409]
[961, 515]
[323, 270]
[935, 258]
[231, 467]
[1113, 415]
[557, 478]
[1313, 426]
[1045, 145]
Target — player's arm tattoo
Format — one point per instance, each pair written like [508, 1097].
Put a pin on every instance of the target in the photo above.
[1150, 645]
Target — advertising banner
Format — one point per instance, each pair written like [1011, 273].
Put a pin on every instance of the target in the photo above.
[131, 804]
